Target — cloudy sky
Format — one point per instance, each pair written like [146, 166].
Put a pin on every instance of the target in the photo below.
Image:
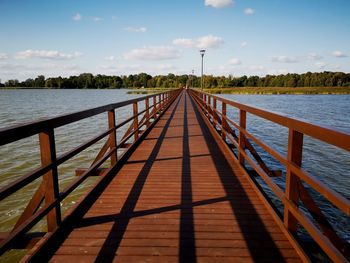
[117, 37]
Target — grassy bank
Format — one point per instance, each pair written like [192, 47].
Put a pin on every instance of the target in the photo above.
[280, 90]
[148, 90]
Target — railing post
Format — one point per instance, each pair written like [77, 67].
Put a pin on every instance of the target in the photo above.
[160, 102]
[209, 109]
[136, 120]
[242, 124]
[112, 136]
[214, 110]
[223, 121]
[295, 151]
[50, 179]
[147, 112]
[154, 106]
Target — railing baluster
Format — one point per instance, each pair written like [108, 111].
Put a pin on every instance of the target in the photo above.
[223, 121]
[147, 112]
[112, 136]
[136, 120]
[214, 111]
[209, 109]
[295, 150]
[242, 124]
[48, 156]
[154, 106]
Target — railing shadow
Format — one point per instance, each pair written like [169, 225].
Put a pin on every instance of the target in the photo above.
[187, 246]
[235, 193]
[109, 249]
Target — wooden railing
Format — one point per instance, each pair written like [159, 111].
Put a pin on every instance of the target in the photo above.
[48, 191]
[323, 234]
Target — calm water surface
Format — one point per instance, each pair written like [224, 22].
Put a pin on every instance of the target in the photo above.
[327, 163]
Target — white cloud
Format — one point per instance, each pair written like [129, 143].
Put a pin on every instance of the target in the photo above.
[339, 54]
[137, 68]
[218, 3]
[204, 42]
[278, 71]
[110, 58]
[244, 44]
[136, 29]
[235, 61]
[320, 65]
[24, 71]
[284, 59]
[314, 56]
[47, 54]
[96, 18]
[77, 17]
[256, 68]
[249, 11]
[3, 56]
[153, 53]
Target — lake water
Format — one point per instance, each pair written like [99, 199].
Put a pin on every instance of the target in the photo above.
[327, 163]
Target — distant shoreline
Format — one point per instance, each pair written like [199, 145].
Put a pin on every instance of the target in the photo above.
[265, 91]
[233, 90]
[282, 91]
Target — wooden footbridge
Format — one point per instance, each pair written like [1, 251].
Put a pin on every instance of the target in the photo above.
[175, 190]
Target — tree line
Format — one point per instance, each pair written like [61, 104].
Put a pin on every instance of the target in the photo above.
[90, 81]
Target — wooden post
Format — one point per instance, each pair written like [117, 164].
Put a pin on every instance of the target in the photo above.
[50, 179]
[223, 121]
[112, 136]
[160, 102]
[136, 120]
[147, 112]
[214, 110]
[295, 151]
[209, 109]
[242, 124]
[154, 106]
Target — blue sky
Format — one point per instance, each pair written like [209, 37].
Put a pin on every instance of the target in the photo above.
[251, 37]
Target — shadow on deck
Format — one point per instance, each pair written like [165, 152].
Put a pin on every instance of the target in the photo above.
[180, 197]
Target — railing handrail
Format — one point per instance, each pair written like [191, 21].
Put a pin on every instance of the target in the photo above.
[337, 138]
[329, 241]
[21, 131]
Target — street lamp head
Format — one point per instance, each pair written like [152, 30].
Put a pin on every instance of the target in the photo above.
[202, 51]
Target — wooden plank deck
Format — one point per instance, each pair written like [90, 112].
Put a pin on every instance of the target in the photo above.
[180, 197]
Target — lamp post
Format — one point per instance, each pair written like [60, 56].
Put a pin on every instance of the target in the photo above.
[202, 51]
[192, 78]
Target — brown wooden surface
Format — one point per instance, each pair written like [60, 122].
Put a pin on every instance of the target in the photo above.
[180, 197]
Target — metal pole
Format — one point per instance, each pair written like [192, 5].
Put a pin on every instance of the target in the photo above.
[202, 73]
[202, 51]
[192, 77]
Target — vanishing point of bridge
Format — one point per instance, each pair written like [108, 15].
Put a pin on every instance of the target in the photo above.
[178, 192]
